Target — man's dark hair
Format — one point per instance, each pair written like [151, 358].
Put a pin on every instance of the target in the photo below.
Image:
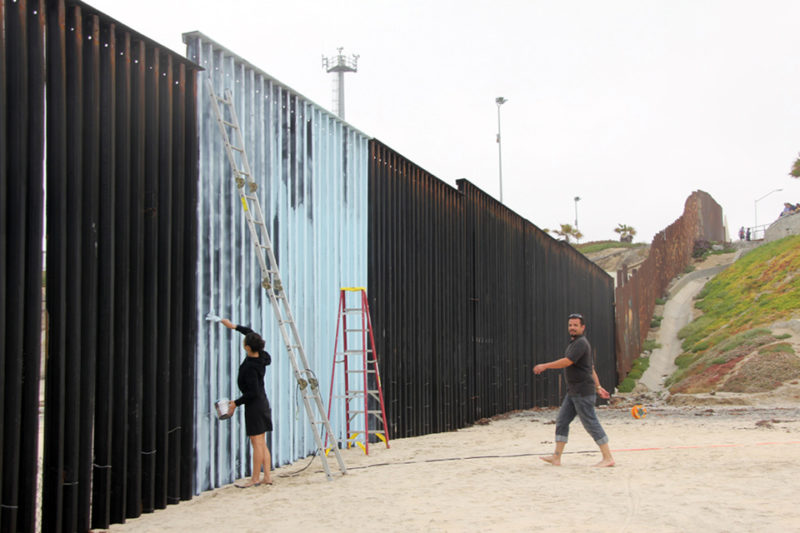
[579, 317]
[254, 341]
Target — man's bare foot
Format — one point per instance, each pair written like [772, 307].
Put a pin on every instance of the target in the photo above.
[605, 463]
[552, 459]
[266, 481]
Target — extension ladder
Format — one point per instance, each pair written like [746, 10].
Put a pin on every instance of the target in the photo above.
[365, 386]
[270, 276]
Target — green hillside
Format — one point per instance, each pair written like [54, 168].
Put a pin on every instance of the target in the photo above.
[728, 348]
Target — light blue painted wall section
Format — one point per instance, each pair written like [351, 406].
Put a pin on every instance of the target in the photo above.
[311, 169]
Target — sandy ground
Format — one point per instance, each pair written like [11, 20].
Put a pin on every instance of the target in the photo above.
[694, 468]
[691, 467]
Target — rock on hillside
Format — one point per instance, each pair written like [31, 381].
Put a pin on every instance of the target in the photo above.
[612, 259]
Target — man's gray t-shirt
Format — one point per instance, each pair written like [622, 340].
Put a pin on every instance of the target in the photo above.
[579, 374]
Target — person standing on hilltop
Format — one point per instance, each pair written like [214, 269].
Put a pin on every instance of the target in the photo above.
[583, 385]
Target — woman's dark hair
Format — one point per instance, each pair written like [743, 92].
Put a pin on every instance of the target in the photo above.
[254, 341]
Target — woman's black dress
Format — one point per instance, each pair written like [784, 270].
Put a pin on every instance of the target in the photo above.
[257, 414]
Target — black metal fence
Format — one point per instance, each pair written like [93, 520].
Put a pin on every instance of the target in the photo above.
[121, 174]
[467, 297]
[22, 73]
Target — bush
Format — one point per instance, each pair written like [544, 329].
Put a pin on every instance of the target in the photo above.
[649, 345]
[627, 385]
[661, 301]
[783, 347]
[701, 248]
[656, 321]
[684, 360]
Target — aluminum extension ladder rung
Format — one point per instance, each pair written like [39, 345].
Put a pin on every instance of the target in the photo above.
[271, 281]
[367, 388]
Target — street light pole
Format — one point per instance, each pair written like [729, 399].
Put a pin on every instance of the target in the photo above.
[577, 199]
[500, 101]
[755, 207]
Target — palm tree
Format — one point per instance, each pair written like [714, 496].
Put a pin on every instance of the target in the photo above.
[568, 231]
[626, 232]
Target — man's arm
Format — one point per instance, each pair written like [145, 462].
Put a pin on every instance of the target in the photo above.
[227, 323]
[552, 365]
[599, 388]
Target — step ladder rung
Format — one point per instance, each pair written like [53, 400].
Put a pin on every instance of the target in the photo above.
[368, 371]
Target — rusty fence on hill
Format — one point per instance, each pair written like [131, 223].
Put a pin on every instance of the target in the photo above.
[670, 253]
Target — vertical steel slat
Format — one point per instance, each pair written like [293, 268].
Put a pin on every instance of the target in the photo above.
[113, 279]
[175, 430]
[53, 461]
[4, 176]
[163, 220]
[151, 287]
[32, 317]
[127, 481]
[89, 84]
[18, 121]
[74, 309]
[189, 270]
[14, 181]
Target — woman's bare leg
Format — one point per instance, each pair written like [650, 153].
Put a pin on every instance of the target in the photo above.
[258, 456]
[267, 462]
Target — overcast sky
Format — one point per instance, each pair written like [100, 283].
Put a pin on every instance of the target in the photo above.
[629, 104]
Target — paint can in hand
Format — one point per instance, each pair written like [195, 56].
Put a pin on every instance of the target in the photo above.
[222, 408]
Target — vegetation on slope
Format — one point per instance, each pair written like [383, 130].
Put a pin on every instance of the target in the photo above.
[727, 348]
[597, 246]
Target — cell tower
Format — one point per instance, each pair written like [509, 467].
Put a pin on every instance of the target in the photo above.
[339, 64]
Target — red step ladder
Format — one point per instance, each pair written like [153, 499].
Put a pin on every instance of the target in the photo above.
[362, 379]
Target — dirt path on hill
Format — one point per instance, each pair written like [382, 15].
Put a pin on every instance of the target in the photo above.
[678, 311]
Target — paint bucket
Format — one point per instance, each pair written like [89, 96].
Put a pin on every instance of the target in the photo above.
[222, 409]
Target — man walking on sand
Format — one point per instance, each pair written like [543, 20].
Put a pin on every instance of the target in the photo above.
[582, 387]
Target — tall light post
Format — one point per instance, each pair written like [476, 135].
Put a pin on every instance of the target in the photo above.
[340, 64]
[755, 207]
[577, 199]
[500, 101]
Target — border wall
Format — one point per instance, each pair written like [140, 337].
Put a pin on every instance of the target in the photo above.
[144, 237]
[22, 74]
[670, 253]
[120, 217]
[311, 168]
[466, 297]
